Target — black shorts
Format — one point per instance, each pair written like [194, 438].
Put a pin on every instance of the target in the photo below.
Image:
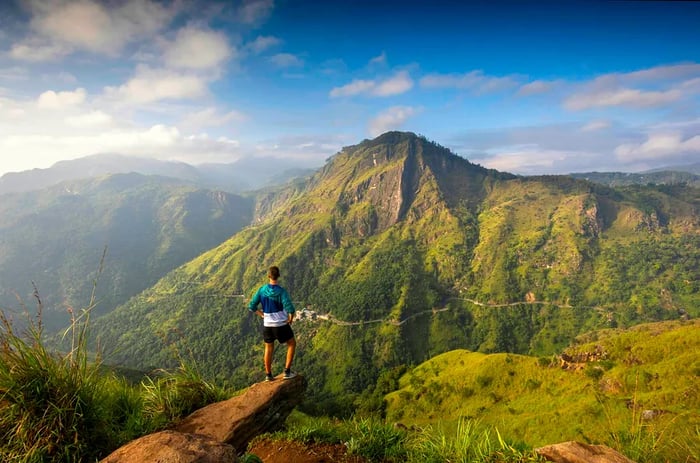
[281, 333]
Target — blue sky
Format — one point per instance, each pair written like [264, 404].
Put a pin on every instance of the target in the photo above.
[526, 87]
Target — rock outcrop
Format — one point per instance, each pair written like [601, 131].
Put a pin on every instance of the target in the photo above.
[264, 407]
[217, 432]
[576, 452]
[173, 447]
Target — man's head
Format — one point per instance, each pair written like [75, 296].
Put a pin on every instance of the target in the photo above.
[273, 273]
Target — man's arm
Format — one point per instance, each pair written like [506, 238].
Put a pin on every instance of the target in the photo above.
[254, 302]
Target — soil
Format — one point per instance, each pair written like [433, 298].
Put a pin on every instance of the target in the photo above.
[277, 451]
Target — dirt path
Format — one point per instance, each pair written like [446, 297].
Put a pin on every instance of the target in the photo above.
[287, 452]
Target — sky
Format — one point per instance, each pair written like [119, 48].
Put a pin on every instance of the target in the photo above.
[544, 87]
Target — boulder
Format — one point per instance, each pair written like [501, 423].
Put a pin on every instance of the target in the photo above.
[173, 447]
[263, 407]
[217, 432]
[576, 452]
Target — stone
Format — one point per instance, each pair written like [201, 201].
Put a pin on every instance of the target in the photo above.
[263, 407]
[576, 452]
[173, 447]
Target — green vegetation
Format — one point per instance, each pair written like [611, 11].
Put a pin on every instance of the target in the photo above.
[634, 390]
[68, 407]
[149, 225]
[414, 251]
[378, 441]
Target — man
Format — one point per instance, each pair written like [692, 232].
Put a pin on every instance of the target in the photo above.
[277, 313]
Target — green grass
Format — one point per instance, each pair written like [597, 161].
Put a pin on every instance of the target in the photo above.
[651, 369]
[379, 441]
[64, 407]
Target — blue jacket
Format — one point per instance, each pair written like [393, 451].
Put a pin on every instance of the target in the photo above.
[276, 304]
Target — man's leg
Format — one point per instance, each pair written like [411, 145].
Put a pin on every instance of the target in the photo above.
[291, 346]
[269, 350]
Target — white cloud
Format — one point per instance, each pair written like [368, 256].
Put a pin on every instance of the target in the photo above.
[538, 86]
[255, 11]
[661, 145]
[151, 85]
[286, 60]
[621, 97]
[356, 87]
[659, 86]
[262, 43]
[61, 100]
[196, 48]
[401, 82]
[595, 126]
[99, 27]
[391, 119]
[396, 85]
[35, 49]
[158, 141]
[476, 81]
[93, 119]
[378, 60]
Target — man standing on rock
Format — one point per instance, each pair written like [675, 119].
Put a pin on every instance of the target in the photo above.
[277, 314]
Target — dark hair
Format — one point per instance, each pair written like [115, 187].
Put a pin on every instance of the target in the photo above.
[273, 273]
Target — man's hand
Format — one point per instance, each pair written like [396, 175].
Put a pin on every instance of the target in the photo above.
[260, 313]
[290, 318]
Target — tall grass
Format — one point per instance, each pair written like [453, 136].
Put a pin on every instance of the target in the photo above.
[381, 442]
[67, 407]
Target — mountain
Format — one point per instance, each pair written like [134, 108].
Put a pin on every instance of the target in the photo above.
[92, 166]
[609, 385]
[657, 177]
[242, 175]
[55, 238]
[401, 250]
[693, 168]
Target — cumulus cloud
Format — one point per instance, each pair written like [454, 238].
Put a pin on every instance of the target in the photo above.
[476, 81]
[391, 119]
[196, 48]
[671, 145]
[61, 100]
[151, 85]
[401, 82]
[286, 60]
[59, 27]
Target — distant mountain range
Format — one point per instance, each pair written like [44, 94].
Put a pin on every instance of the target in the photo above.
[401, 250]
[245, 174]
[149, 225]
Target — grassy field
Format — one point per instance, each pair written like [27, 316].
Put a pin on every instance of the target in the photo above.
[634, 390]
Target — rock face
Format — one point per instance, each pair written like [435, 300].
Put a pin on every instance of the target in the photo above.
[173, 447]
[576, 452]
[217, 432]
[262, 408]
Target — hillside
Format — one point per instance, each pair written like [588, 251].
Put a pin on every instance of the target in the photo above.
[617, 384]
[55, 238]
[414, 251]
[659, 177]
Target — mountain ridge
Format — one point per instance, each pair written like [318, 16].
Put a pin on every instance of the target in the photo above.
[396, 226]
